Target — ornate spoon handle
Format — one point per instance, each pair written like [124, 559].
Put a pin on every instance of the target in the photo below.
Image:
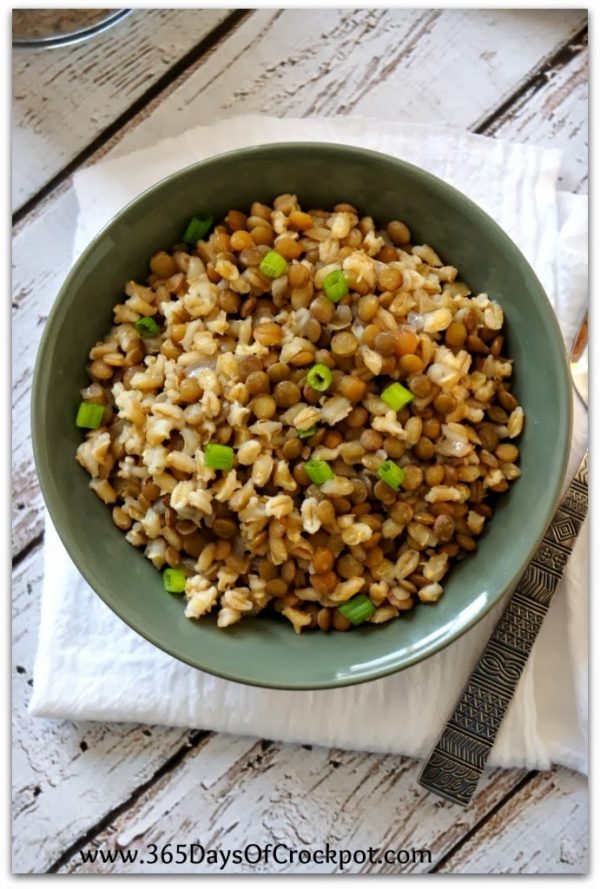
[459, 757]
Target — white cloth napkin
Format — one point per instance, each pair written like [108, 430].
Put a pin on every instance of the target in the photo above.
[78, 676]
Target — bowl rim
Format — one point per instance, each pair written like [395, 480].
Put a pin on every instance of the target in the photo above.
[369, 673]
[79, 34]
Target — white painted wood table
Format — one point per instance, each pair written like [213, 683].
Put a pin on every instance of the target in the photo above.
[518, 74]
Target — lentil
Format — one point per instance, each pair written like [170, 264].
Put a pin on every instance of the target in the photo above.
[229, 367]
[344, 344]
[264, 407]
[351, 388]
[507, 453]
[398, 232]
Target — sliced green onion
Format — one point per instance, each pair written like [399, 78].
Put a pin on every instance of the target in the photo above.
[396, 396]
[335, 286]
[273, 265]
[358, 609]
[174, 580]
[89, 415]
[147, 327]
[392, 474]
[319, 377]
[307, 433]
[218, 456]
[318, 471]
[197, 228]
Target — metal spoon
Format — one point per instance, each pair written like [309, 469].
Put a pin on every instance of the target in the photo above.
[455, 765]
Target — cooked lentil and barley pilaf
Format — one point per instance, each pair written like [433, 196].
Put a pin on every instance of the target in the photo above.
[303, 412]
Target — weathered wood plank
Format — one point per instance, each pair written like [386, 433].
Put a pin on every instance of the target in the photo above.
[62, 99]
[286, 72]
[268, 64]
[226, 796]
[289, 794]
[555, 115]
[66, 776]
[35, 285]
[543, 829]
[285, 62]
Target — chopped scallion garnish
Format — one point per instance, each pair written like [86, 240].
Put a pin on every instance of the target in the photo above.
[89, 415]
[273, 265]
[392, 474]
[335, 286]
[218, 456]
[147, 327]
[318, 471]
[174, 580]
[197, 228]
[307, 433]
[358, 609]
[319, 377]
[396, 396]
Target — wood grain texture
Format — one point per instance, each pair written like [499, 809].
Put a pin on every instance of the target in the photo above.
[66, 776]
[63, 98]
[409, 64]
[542, 829]
[555, 115]
[276, 62]
[226, 796]
[70, 778]
[41, 258]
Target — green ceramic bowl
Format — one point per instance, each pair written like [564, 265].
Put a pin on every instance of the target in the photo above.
[266, 651]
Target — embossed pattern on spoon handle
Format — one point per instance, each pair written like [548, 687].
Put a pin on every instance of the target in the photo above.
[459, 757]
